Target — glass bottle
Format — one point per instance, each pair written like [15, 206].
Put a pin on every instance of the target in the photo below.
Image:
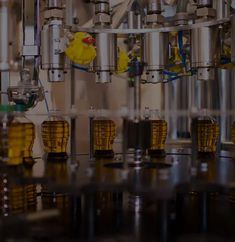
[29, 132]
[207, 134]
[55, 135]
[158, 134]
[11, 137]
[104, 131]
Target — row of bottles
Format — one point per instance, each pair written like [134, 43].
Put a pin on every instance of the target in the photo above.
[104, 135]
[17, 135]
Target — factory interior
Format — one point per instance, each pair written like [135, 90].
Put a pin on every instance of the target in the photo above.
[117, 120]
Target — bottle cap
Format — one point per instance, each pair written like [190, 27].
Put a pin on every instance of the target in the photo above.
[6, 108]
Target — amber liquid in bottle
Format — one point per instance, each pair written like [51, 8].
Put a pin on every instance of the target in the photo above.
[104, 134]
[15, 142]
[158, 137]
[208, 134]
[55, 135]
[233, 133]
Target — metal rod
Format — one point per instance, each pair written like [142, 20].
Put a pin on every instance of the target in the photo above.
[73, 142]
[124, 142]
[5, 82]
[137, 97]
[73, 138]
[194, 138]
[30, 38]
[91, 132]
[4, 33]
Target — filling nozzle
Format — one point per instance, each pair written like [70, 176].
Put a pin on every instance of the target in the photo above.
[204, 3]
[155, 44]
[154, 7]
[53, 42]
[105, 62]
[205, 51]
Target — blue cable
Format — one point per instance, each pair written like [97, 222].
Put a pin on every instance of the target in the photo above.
[81, 68]
[225, 60]
[180, 42]
[169, 73]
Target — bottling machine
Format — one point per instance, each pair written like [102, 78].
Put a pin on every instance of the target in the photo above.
[142, 147]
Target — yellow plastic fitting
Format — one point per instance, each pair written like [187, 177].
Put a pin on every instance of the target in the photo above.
[81, 50]
[122, 62]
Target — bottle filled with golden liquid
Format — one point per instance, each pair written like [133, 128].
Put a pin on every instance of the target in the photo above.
[11, 137]
[29, 132]
[207, 135]
[104, 133]
[158, 134]
[233, 133]
[55, 135]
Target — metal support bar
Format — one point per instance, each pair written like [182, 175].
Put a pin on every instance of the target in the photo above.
[30, 49]
[4, 33]
[5, 82]
[137, 97]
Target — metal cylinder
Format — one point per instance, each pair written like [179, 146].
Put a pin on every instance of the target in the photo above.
[131, 19]
[233, 39]
[205, 3]
[155, 55]
[176, 96]
[205, 52]
[4, 27]
[102, 8]
[51, 57]
[226, 83]
[154, 6]
[105, 62]
[54, 3]
[137, 97]
[220, 7]
[182, 6]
